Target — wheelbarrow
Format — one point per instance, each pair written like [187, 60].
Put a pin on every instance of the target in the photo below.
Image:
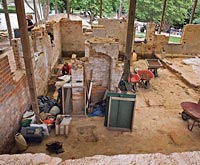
[153, 65]
[135, 78]
[191, 111]
[145, 77]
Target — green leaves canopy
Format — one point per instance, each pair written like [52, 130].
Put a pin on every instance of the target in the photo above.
[176, 11]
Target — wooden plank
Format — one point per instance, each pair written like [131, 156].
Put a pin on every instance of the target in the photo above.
[123, 99]
[27, 55]
[85, 108]
[109, 107]
[63, 101]
[105, 94]
[70, 87]
[89, 94]
[67, 100]
[7, 20]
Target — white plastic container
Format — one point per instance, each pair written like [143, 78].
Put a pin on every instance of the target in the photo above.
[62, 124]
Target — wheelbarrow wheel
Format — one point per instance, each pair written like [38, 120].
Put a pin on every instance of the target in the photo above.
[147, 84]
[155, 72]
[184, 116]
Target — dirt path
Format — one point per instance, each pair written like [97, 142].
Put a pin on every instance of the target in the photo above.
[158, 127]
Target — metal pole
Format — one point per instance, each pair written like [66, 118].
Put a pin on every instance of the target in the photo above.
[100, 9]
[7, 20]
[162, 17]
[35, 11]
[193, 11]
[27, 55]
[129, 38]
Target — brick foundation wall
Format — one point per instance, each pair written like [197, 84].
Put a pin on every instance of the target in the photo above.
[44, 55]
[78, 93]
[103, 56]
[116, 29]
[14, 100]
[72, 38]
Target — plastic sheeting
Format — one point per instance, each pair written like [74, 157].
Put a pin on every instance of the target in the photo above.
[195, 62]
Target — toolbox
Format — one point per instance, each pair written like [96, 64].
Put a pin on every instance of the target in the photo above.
[32, 134]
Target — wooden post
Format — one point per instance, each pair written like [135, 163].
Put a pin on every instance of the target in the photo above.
[27, 55]
[162, 17]
[100, 9]
[193, 11]
[129, 38]
[35, 11]
[68, 8]
[7, 20]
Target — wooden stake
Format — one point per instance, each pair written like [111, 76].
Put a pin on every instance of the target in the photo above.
[129, 38]
[193, 11]
[27, 55]
[162, 17]
[7, 20]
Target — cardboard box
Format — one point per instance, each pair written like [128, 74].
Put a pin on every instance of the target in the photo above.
[62, 124]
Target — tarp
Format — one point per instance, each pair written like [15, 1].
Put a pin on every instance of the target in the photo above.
[195, 62]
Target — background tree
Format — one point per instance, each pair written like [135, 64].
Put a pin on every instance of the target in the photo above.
[197, 14]
[175, 13]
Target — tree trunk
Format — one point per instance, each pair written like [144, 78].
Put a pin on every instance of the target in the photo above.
[193, 11]
[120, 9]
[100, 13]
[68, 8]
[45, 8]
[48, 7]
[56, 7]
[162, 17]
[35, 11]
[41, 12]
[37, 17]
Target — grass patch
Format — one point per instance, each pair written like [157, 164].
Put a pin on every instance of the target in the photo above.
[171, 38]
[10, 10]
[140, 35]
[175, 39]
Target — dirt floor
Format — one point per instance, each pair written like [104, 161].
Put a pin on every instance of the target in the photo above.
[157, 128]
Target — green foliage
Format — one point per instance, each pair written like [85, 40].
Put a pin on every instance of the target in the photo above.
[175, 13]
[11, 9]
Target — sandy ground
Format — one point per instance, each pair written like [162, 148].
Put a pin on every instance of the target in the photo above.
[158, 126]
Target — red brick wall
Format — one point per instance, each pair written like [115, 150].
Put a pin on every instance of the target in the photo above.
[99, 64]
[14, 100]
